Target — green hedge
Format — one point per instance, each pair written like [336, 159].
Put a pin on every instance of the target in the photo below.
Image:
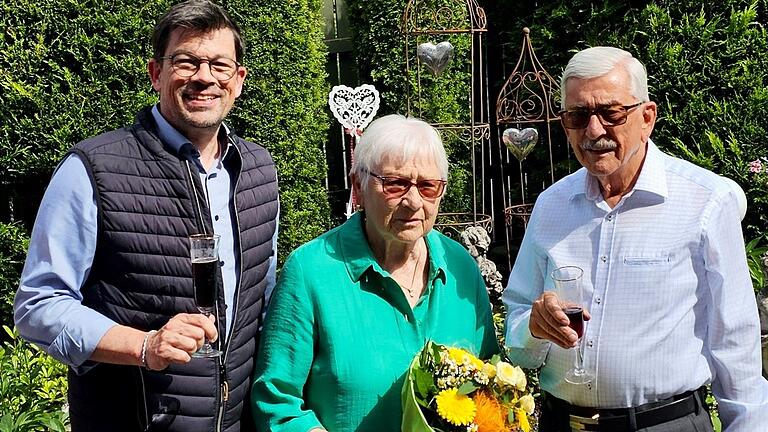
[70, 69]
[707, 66]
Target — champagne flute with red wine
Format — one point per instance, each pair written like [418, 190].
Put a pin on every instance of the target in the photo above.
[568, 285]
[204, 251]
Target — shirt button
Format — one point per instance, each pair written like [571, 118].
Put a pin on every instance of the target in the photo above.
[590, 343]
[221, 263]
[598, 300]
[216, 217]
[603, 258]
[609, 217]
[589, 386]
[405, 316]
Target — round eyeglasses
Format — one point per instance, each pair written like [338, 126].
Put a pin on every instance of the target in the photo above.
[396, 187]
[609, 115]
[186, 65]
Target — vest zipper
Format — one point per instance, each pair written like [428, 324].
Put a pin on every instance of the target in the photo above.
[144, 398]
[222, 360]
[224, 396]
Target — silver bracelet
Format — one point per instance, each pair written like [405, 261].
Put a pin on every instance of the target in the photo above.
[144, 348]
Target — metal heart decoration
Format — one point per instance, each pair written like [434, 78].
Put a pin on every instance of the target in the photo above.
[435, 57]
[355, 107]
[520, 142]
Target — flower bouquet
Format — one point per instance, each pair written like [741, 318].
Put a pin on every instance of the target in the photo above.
[448, 389]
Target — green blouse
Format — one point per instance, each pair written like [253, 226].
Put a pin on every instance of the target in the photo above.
[339, 333]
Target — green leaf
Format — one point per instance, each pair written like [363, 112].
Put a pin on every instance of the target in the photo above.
[467, 388]
[423, 381]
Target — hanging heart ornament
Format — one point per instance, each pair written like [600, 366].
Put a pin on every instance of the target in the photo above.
[435, 57]
[520, 142]
[355, 107]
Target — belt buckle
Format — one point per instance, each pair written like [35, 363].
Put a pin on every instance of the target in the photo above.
[579, 423]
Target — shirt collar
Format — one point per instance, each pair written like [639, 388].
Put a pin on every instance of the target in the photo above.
[178, 142]
[652, 177]
[359, 259]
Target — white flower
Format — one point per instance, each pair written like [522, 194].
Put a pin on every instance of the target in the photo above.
[509, 375]
[527, 403]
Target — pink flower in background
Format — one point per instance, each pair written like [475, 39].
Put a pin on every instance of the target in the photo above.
[756, 166]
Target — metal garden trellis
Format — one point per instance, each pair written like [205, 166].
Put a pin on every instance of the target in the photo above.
[462, 22]
[526, 100]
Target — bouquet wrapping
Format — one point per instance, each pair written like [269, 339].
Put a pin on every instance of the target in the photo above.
[448, 389]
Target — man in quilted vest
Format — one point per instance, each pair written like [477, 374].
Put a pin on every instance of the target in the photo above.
[107, 285]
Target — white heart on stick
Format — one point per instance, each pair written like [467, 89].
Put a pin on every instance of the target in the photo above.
[520, 142]
[355, 107]
[435, 57]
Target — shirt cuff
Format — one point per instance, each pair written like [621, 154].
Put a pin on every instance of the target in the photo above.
[524, 349]
[79, 337]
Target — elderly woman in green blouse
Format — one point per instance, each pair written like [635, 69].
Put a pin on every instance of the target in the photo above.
[354, 306]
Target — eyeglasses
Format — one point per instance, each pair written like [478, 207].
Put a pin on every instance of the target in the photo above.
[186, 65]
[610, 115]
[396, 187]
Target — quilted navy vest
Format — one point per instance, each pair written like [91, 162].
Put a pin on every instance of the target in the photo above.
[142, 276]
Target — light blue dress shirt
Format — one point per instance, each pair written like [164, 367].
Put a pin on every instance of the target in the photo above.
[48, 307]
[667, 285]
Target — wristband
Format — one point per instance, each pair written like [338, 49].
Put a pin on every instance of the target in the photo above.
[144, 348]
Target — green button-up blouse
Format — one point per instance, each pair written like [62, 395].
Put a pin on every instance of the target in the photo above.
[339, 333]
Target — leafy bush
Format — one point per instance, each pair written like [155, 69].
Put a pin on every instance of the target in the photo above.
[33, 388]
[13, 247]
[283, 107]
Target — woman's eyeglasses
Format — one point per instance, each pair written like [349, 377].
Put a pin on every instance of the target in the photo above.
[186, 65]
[611, 115]
[396, 187]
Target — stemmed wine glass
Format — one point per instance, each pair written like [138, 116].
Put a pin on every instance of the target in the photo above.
[570, 295]
[204, 251]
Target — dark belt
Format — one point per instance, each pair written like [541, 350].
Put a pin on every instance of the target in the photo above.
[629, 419]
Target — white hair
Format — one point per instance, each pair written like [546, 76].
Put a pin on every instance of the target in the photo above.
[600, 61]
[398, 139]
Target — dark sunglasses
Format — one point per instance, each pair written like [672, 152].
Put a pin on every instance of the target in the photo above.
[610, 115]
[395, 187]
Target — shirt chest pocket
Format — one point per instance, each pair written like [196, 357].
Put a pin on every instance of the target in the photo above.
[663, 259]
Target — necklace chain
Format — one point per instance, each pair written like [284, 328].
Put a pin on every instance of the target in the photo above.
[413, 278]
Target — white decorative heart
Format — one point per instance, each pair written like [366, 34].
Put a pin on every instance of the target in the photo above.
[355, 107]
[520, 142]
[435, 57]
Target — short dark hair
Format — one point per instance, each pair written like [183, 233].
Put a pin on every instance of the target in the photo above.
[198, 16]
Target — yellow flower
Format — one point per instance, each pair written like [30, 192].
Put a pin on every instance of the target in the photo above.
[463, 357]
[522, 420]
[489, 370]
[509, 375]
[457, 409]
[457, 355]
[527, 404]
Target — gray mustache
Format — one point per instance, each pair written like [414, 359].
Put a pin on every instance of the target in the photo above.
[599, 145]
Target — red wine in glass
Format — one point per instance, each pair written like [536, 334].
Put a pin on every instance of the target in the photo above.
[204, 272]
[575, 319]
[567, 281]
[204, 254]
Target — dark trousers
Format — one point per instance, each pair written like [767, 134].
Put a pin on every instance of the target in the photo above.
[555, 417]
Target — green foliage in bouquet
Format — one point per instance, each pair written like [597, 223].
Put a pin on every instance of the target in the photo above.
[449, 389]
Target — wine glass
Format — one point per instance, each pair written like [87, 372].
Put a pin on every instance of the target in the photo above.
[204, 251]
[570, 295]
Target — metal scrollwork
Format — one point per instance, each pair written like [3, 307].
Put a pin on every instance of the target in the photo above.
[453, 224]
